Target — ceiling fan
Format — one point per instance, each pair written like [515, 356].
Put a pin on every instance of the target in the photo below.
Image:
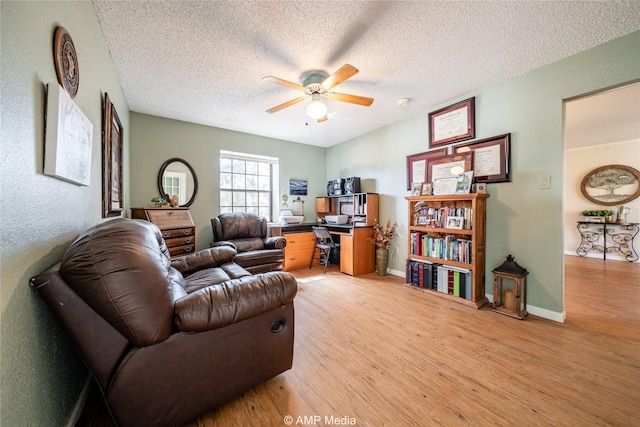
[317, 85]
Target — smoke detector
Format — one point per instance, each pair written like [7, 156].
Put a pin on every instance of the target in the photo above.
[404, 102]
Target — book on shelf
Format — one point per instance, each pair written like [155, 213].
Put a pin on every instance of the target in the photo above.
[448, 248]
[442, 278]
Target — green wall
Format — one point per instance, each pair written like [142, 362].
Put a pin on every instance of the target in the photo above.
[521, 219]
[155, 140]
[41, 375]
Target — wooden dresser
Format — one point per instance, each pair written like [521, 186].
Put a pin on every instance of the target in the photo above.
[176, 224]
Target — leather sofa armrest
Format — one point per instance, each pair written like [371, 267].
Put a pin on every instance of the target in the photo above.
[275, 242]
[219, 305]
[224, 243]
[206, 258]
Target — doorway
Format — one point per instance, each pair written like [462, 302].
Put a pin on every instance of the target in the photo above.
[600, 129]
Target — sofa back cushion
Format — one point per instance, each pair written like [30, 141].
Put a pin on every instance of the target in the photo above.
[238, 225]
[120, 268]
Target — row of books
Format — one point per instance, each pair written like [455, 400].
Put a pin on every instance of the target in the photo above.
[444, 217]
[448, 248]
[442, 278]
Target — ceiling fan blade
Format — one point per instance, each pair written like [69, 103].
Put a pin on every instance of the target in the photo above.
[284, 83]
[286, 104]
[345, 72]
[352, 99]
[323, 119]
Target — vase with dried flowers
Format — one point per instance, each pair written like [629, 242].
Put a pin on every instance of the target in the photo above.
[382, 237]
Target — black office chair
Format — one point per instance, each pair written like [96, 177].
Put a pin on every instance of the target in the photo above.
[325, 244]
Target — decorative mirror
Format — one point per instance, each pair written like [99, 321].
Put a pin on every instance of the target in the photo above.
[611, 185]
[177, 178]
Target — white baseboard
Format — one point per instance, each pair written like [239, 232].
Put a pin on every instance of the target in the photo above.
[598, 255]
[536, 311]
[82, 400]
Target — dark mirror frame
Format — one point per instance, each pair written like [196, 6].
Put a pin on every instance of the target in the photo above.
[193, 174]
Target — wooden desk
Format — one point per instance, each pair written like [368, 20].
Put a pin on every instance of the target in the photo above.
[357, 254]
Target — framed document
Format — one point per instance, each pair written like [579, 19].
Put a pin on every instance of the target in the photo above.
[441, 167]
[444, 186]
[491, 158]
[453, 123]
[417, 165]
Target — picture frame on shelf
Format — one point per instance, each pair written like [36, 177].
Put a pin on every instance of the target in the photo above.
[416, 188]
[422, 220]
[449, 166]
[427, 189]
[444, 186]
[455, 222]
[112, 146]
[453, 123]
[465, 181]
[491, 158]
[417, 165]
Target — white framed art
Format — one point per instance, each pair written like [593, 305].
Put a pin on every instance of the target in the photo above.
[68, 138]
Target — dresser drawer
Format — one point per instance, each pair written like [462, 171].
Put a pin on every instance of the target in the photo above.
[299, 258]
[296, 241]
[181, 250]
[170, 218]
[180, 241]
[180, 232]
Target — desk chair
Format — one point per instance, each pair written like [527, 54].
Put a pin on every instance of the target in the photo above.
[325, 244]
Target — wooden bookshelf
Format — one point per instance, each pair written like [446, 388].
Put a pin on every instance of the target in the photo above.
[473, 237]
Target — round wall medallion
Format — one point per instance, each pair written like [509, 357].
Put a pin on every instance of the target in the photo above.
[66, 61]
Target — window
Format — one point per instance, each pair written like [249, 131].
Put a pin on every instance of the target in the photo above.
[247, 183]
[175, 184]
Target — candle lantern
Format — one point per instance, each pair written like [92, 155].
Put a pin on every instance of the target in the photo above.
[510, 289]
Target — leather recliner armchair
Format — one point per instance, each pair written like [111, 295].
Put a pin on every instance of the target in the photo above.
[168, 340]
[247, 233]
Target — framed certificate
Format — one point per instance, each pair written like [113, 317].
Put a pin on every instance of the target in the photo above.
[491, 158]
[449, 166]
[453, 123]
[417, 165]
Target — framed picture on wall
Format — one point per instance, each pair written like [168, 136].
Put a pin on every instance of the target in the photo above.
[454, 123]
[449, 166]
[112, 142]
[298, 187]
[417, 165]
[491, 158]
[68, 138]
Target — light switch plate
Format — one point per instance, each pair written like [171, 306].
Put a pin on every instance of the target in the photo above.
[544, 182]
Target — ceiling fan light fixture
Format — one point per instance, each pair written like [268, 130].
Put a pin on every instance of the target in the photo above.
[316, 108]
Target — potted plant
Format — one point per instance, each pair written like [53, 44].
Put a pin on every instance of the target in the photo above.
[597, 215]
[382, 237]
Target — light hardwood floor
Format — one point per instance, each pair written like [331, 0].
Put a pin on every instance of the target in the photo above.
[376, 352]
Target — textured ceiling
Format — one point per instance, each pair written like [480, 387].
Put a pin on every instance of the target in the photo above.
[203, 61]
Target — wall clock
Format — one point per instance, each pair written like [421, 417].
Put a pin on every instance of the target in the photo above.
[66, 61]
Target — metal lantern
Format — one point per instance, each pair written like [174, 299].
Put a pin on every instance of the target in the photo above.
[510, 289]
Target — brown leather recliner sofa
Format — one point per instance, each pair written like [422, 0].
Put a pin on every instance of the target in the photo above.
[247, 233]
[168, 340]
